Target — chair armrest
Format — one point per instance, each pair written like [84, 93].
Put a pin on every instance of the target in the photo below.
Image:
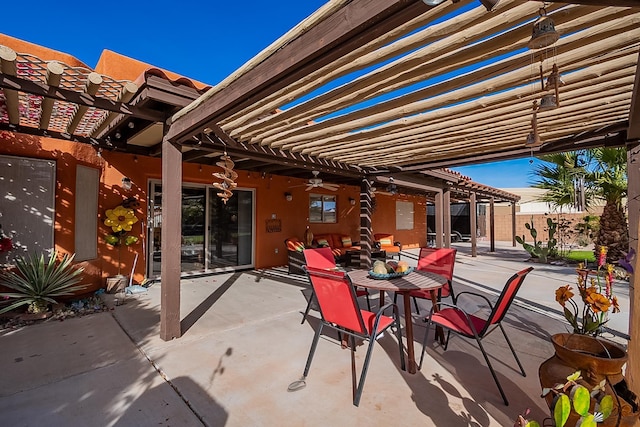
[380, 313]
[475, 295]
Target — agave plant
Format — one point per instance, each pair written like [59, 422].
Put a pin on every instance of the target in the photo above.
[37, 282]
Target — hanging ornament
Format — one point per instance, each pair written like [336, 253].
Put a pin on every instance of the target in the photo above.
[553, 83]
[228, 178]
[533, 139]
[544, 32]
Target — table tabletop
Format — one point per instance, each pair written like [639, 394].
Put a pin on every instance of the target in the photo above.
[417, 279]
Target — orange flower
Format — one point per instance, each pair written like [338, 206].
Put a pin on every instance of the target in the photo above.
[563, 294]
[614, 303]
[598, 302]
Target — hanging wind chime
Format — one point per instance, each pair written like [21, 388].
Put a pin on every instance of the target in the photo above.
[228, 177]
[543, 35]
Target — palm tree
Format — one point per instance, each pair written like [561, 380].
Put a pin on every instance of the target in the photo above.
[609, 177]
[558, 176]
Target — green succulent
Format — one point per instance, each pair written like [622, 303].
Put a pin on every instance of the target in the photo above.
[572, 395]
[36, 283]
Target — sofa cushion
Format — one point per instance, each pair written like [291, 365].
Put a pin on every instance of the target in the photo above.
[387, 241]
[346, 241]
[323, 242]
[293, 244]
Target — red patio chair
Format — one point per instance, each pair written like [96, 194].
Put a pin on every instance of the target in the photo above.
[440, 261]
[453, 318]
[323, 258]
[339, 310]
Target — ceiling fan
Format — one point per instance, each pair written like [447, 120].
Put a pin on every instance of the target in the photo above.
[316, 182]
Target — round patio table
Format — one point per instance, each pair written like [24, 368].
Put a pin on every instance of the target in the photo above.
[424, 280]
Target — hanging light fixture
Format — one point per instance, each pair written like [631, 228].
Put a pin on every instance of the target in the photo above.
[553, 83]
[489, 4]
[544, 32]
[432, 2]
[392, 187]
[548, 102]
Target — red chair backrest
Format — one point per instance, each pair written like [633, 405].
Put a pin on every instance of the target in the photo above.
[319, 258]
[336, 298]
[506, 298]
[440, 261]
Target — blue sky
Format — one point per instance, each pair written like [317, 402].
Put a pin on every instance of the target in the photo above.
[205, 41]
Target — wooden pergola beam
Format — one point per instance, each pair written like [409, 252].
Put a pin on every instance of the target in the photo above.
[94, 80]
[128, 90]
[348, 28]
[634, 112]
[8, 63]
[54, 75]
[96, 142]
[60, 94]
[257, 152]
[619, 3]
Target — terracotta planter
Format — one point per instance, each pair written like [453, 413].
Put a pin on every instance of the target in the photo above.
[597, 359]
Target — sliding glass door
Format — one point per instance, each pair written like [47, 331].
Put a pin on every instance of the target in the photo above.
[215, 236]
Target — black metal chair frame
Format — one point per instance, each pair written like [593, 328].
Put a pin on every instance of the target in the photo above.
[353, 335]
[493, 321]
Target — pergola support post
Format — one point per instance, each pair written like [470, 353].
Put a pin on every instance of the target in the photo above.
[513, 224]
[632, 372]
[365, 224]
[171, 241]
[473, 215]
[446, 218]
[439, 218]
[492, 225]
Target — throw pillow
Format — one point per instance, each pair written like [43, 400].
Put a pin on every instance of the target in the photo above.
[346, 242]
[292, 245]
[323, 242]
[386, 242]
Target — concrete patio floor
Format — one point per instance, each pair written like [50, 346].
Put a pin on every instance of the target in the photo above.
[243, 344]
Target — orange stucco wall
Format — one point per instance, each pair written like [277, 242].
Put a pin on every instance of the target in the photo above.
[269, 203]
[383, 220]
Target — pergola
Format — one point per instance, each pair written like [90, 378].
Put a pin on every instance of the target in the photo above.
[393, 87]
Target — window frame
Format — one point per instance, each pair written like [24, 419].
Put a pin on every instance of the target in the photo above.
[326, 216]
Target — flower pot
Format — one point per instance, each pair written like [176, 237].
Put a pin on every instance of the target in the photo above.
[598, 360]
[117, 283]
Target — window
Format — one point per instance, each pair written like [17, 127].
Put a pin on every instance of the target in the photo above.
[86, 221]
[322, 208]
[27, 204]
[404, 215]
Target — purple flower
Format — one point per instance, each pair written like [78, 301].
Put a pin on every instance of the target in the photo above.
[626, 261]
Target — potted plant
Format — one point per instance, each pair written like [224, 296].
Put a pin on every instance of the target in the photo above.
[583, 349]
[36, 282]
[572, 398]
[120, 219]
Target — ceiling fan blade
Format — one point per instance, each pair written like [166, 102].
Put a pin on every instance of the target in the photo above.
[331, 187]
[309, 187]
